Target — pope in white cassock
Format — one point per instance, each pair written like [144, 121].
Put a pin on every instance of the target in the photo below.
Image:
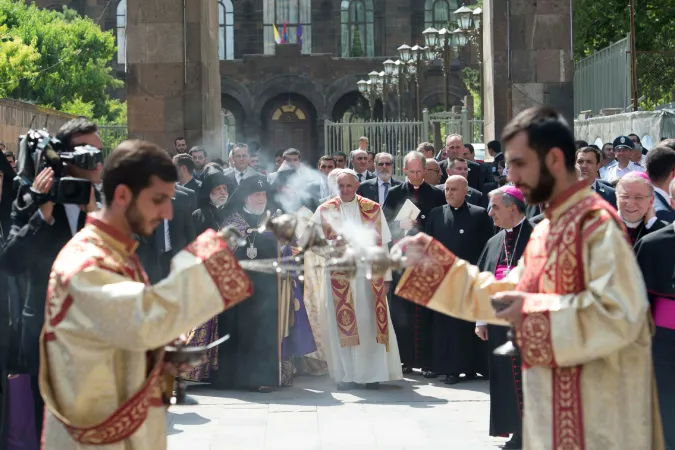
[359, 339]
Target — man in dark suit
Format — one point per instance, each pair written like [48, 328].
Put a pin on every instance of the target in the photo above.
[359, 161]
[463, 229]
[460, 166]
[494, 149]
[240, 169]
[412, 322]
[37, 235]
[319, 189]
[377, 189]
[588, 163]
[661, 170]
[455, 147]
[186, 167]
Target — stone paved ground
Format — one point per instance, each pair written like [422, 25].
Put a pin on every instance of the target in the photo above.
[413, 414]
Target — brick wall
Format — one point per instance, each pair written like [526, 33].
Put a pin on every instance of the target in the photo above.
[17, 117]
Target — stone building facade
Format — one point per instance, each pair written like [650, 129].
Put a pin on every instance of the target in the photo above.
[278, 96]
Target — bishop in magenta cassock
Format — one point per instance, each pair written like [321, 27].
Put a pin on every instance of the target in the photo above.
[501, 255]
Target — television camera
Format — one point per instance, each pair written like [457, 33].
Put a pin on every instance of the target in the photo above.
[39, 150]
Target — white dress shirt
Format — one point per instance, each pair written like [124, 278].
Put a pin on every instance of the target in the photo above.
[167, 236]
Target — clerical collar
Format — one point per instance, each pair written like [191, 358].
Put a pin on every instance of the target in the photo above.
[414, 187]
[462, 206]
[510, 230]
[631, 224]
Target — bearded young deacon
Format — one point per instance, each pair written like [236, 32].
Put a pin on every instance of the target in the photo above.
[358, 337]
[576, 299]
[102, 359]
[501, 255]
[656, 256]
[635, 195]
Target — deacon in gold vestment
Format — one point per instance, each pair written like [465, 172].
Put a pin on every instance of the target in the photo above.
[102, 368]
[579, 307]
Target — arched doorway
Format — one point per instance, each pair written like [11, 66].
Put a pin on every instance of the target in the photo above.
[289, 124]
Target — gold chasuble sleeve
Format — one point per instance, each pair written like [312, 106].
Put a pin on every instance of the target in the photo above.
[106, 305]
[452, 286]
[608, 315]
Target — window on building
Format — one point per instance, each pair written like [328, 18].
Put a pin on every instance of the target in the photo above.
[296, 14]
[122, 32]
[358, 34]
[440, 14]
[225, 30]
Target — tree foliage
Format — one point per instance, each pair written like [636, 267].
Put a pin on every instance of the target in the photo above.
[357, 46]
[599, 23]
[65, 60]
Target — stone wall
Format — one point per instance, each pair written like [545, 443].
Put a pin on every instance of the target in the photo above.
[18, 117]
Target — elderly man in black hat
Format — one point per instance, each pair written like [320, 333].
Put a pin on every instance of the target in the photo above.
[250, 358]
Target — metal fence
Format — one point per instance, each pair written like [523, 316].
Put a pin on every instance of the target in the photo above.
[603, 80]
[398, 138]
[112, 135]
[656, 78]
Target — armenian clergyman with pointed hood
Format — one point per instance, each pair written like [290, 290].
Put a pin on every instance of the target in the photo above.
[576, 299]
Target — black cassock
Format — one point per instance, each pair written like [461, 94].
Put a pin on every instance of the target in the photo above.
[506, 394]
[656, 257]
[635, 234]
[250, 358]
[412, 323]
[464, 231]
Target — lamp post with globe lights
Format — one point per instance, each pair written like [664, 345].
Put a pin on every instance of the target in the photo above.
[470, 30]
[371, 91]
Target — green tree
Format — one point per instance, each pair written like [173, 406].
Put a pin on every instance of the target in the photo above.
[72, 67]
[17, 60]
[599, 23]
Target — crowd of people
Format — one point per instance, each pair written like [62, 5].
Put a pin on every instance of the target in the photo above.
[360, 331]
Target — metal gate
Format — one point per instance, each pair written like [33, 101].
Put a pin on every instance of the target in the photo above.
[399, 138]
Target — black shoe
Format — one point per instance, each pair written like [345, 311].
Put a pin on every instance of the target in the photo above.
[470, 376]
[373, 386]
[429, 374]
[185, 400]
[407, 369]
[344, 386]
[515, 443]
[451, 379]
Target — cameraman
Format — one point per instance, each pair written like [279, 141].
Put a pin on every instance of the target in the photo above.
[37, 235]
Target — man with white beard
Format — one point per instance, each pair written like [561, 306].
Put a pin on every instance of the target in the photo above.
[377, 189]
[213, 195]
[359, 340]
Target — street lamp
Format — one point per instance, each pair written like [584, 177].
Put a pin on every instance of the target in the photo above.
[477, 16]
[430, 37]
[404, 53]
[463, 16]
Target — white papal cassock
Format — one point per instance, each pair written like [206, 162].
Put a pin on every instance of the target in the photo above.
[368, 362]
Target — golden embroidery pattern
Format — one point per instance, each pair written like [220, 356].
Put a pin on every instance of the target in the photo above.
[224, 269]
[421, 282]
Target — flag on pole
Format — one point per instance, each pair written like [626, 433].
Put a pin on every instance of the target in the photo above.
[300, 35]
[277, 38]
[285, 38]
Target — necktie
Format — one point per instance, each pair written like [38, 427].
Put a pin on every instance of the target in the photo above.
[360, 178]
[241, 177]
[386, 191]
[81, 220]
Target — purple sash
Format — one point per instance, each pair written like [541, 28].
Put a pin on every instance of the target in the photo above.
[664, 312]
[21, 419]
[501, 272]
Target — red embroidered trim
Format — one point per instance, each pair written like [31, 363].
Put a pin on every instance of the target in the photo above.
[568, 425]
[421, 282]
[223, 268]
[536, 348]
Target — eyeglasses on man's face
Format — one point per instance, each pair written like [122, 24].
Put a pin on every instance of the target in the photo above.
[384, 164]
